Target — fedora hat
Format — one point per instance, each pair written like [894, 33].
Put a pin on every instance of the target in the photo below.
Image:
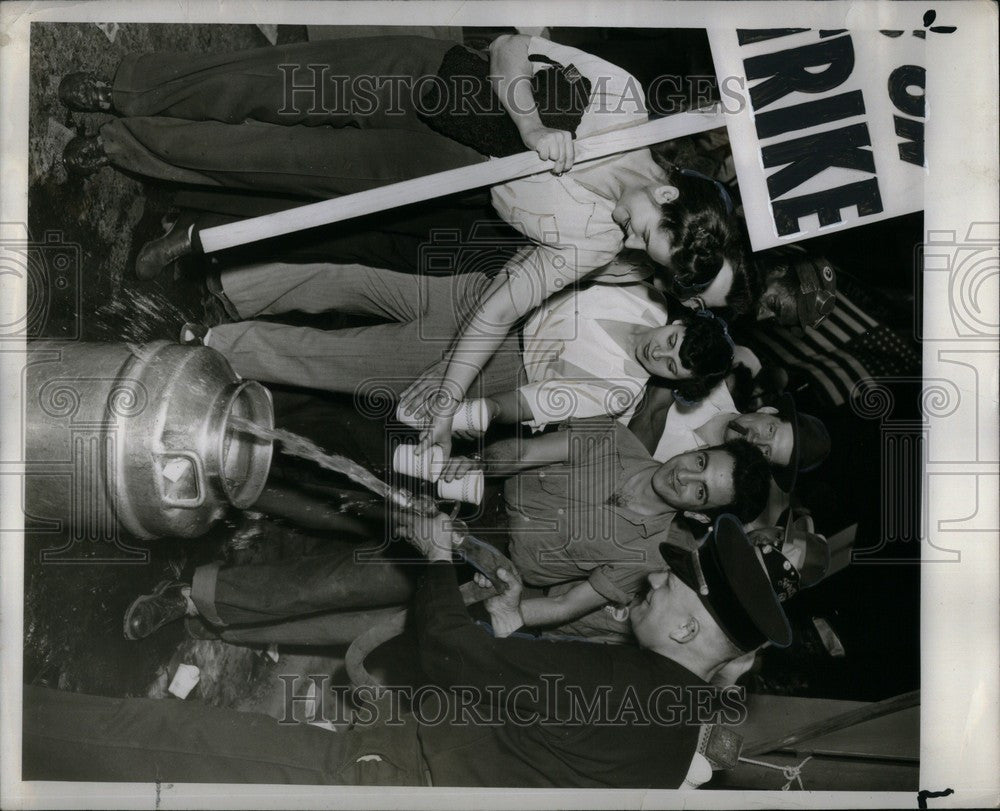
[810, 443]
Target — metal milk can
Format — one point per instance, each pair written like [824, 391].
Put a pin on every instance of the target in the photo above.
[139, 437]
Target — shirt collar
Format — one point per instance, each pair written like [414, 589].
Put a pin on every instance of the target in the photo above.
[713, 432]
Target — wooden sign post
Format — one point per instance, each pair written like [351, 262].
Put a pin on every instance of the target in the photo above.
[488, 173]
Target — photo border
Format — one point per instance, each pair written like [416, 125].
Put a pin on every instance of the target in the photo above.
[960, 746]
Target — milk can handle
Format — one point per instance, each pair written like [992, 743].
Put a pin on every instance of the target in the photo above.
[199, 475]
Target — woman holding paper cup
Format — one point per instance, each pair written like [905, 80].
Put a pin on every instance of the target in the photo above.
[588, 351]
[681, 222]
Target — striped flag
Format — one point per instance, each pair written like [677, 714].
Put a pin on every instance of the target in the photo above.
[850, 345]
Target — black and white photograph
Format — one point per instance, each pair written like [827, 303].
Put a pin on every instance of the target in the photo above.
[403, 397]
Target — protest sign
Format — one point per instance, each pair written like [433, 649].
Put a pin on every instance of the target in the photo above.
[827, 126]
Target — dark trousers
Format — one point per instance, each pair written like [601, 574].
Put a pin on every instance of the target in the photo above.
[238, 120]
[72, 736]
[326, 599]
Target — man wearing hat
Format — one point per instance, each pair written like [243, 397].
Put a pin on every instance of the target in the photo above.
[792, 442]
[707, 609]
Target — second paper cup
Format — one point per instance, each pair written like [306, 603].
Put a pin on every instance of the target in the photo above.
[468, 489]
[427, 467]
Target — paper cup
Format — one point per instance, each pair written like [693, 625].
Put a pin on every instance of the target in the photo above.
[472, 415]
[468, 489]
[184, 681]
[427, 467]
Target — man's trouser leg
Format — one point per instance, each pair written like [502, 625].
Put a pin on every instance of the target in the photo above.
[349, 86]
[333, 629]
[318, 162]
[316, 119]
[72, 736]
[350, 578]
[382, 357]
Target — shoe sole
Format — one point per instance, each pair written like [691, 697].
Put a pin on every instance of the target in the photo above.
[160, 588]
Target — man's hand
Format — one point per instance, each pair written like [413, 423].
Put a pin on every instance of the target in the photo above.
[433, 535]
[552, 145]
[504, 609]
[458, 467]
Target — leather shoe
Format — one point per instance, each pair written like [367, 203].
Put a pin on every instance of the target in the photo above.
[85, 92]
[84, 155]
[158, 253]
[150, 612]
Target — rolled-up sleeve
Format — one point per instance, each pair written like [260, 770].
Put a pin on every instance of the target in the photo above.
[563, 398]
[616, 97]
[605, 581]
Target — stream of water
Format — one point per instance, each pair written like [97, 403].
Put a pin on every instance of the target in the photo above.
[304, 448]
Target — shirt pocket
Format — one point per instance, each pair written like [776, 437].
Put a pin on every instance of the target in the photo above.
[556, 483]
[543, 228]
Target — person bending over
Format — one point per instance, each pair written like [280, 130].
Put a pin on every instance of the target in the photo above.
[585, 352]
[588, 506]
[593, 475]
[707, 610]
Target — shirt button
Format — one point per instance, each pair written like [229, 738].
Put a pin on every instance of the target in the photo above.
[561, 511]
[541, 475]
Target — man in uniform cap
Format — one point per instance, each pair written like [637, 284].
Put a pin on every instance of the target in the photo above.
[734, 585]
[810, 557]
[694, 621]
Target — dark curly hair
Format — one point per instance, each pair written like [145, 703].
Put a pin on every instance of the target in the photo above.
[707, 351]
[751, 481]
[702, 232]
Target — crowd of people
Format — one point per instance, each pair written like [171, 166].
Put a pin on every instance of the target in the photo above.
[636, 414]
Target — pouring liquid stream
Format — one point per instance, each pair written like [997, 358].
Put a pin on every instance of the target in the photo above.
[297, 445]
[307, 449]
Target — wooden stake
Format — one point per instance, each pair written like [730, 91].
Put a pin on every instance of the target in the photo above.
[488, 173]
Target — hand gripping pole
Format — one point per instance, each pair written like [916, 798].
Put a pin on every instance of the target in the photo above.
[489, 173]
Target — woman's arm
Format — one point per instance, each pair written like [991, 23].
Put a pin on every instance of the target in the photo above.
[526, 282]
[650, 418]
[511, 73]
